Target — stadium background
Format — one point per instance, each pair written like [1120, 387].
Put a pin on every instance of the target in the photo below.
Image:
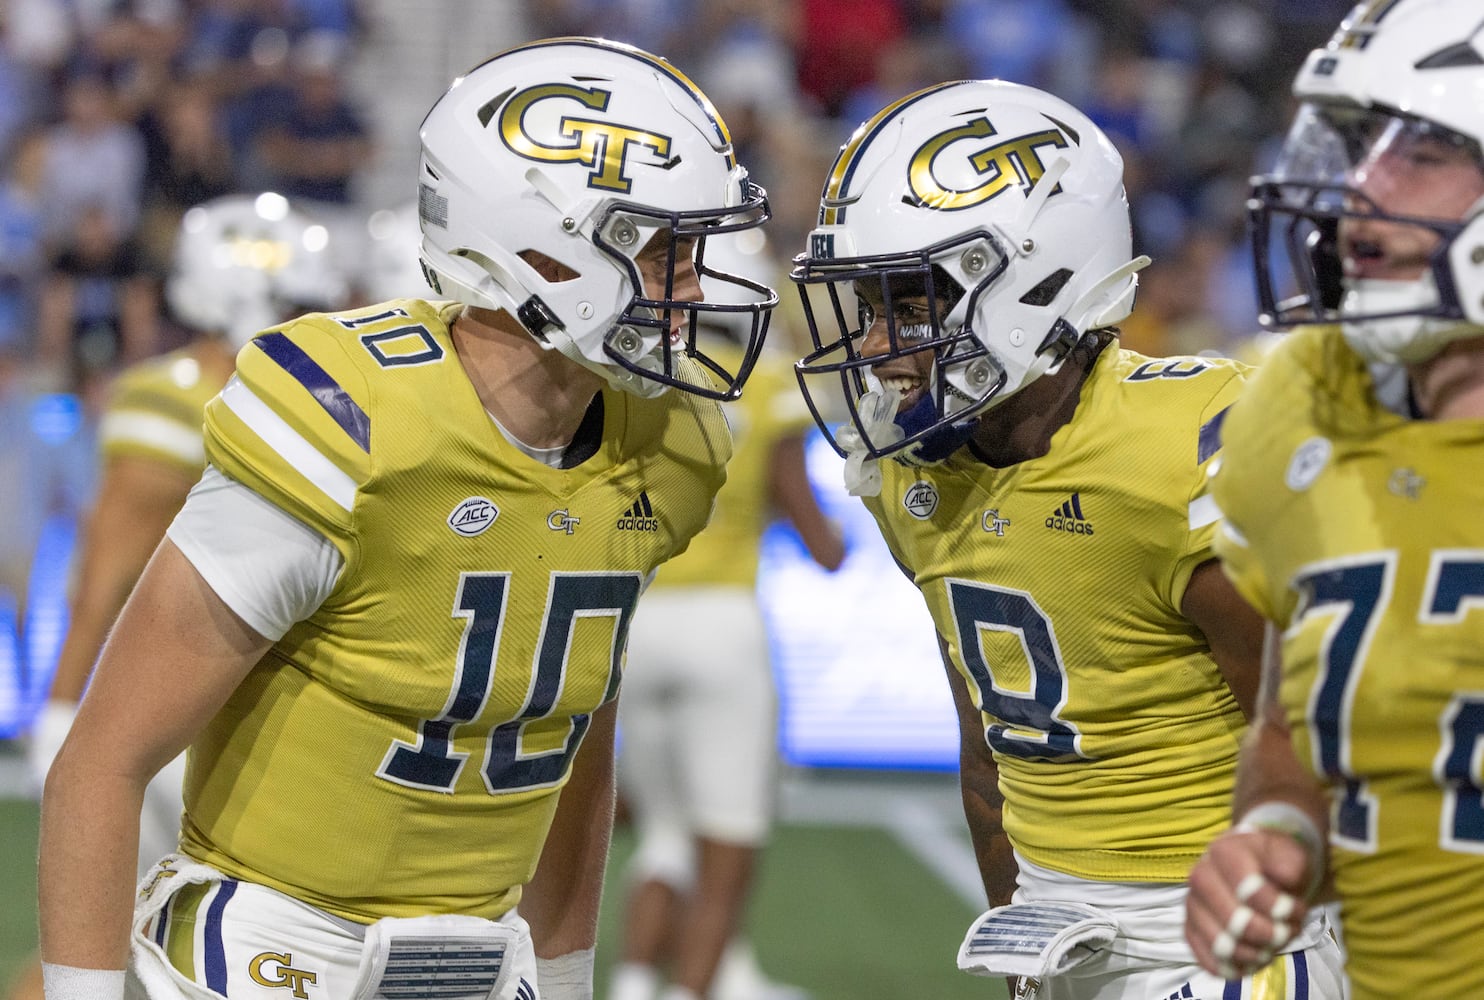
[115, 115]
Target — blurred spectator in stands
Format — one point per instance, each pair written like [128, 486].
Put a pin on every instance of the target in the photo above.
[1037, 42]
[93, 159]
[99, 305]
[22, 251]
[187, 162]
[800, 148]
[344, 18]
[1119, 101]
[749, 75]
[23, 90]
[312, 153]
[838, 44]
[1172, 317]
[240, 48]
[39, 34]
[134, 45]
[912, 63]
[667, 26]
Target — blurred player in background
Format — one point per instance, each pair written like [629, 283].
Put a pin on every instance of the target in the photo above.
[697, 758]
[1046, 491]
[240, 263]
[1351, 491]
[391, 265]
[397, 602]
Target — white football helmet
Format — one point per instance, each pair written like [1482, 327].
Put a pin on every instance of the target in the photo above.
[580, 150]
[392, 268]
[1397, 79]
[1003, 205]
[243, 263]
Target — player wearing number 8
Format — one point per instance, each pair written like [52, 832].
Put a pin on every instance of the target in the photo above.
[390, 619]
[972, 259]
[1351, 492]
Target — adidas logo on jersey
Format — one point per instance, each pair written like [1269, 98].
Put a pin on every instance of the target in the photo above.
[639, 517]
[1069, 517]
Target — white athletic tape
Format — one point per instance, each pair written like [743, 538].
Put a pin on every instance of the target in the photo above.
[1236, 924]
[1225, 946]
[1250, 886]
[1283, 906]
[1282, 933]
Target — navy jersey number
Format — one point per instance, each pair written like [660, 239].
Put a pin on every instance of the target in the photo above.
[432, 763]
[1028, 726]
[1355, 593]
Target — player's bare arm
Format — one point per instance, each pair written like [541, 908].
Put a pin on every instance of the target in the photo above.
[561, 901]
[983, 804]
[788, 482]
[979, 786]
[175, 656]
[1253, 885]
[1232, 628]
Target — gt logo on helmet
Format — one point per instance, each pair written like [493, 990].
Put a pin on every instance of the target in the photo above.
[1002, 165]
[602, 146]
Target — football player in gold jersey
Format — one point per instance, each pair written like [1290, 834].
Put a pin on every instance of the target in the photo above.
[1046, 491]
[698, 754]
[240, 263]
[1350, 490]
[389, 621]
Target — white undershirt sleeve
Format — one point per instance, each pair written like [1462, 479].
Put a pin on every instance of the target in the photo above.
[270, 568]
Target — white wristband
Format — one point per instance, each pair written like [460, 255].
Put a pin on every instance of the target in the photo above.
[566, 977]
[1289, 819]
[68, 982]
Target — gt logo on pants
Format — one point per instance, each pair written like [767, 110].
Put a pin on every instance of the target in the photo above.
[263, 966]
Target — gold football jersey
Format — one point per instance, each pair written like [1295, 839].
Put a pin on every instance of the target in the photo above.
[1358, 532]
[155, 411]
[400, 752]
[1057, 584]
[726, 553]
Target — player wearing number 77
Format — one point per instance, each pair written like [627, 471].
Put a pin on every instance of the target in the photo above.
[1046, 490]
[389, 620]
[1351, 491]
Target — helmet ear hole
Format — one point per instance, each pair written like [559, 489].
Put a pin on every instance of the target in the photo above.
[1047, 289]
[553, 271]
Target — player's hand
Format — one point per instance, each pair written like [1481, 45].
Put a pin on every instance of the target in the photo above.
[1246, 901]
[51, 727]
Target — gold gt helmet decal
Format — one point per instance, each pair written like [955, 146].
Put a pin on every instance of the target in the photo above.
[996, 167]
[602, 146]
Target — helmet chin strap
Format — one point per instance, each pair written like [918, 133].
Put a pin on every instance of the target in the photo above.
[1403, 338]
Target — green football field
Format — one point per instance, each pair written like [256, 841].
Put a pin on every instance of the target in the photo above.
[845, 909]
